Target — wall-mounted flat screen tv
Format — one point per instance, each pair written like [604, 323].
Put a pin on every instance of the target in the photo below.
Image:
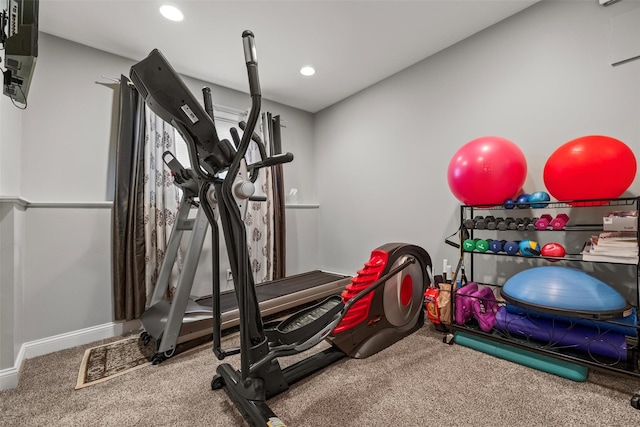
[21, 48]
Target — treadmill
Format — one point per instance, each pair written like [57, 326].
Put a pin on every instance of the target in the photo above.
[183, 322]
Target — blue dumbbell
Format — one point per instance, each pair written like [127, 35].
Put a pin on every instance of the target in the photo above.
[511, 248]
[497, 246]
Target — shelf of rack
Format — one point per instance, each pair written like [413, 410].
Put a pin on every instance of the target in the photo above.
[626, 359]
[588, 203]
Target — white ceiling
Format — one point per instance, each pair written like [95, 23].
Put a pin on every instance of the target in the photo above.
[352, 44]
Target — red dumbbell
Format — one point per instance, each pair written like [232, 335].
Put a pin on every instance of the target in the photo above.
[543, 222]
[559, 221]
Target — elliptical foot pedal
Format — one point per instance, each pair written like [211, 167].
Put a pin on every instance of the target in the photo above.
[307, 323]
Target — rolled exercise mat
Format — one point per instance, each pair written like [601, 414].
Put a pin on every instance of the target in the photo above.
[591, 340]
[523, 357]
[622, 325]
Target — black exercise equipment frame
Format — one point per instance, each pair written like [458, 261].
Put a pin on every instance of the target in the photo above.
[260, 376]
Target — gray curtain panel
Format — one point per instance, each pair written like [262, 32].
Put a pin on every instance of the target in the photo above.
[279, 220]
[128, 215]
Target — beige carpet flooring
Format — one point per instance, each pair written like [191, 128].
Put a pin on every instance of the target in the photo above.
[417, 382]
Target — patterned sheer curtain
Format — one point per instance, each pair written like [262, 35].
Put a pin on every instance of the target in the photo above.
[161, 199]
[259, 219]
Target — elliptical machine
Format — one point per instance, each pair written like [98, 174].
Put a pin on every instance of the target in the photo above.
[381, 305]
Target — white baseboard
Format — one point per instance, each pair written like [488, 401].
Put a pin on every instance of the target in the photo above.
[9, 377]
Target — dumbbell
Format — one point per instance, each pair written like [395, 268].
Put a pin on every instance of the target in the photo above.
[482, 245]
[514, 225]
[471, 223]
[493, 223]
[496, 246]
[504, 225]
[511, 248]
[481, 225]
[469, 245]
[527, 224]
[559, 221]
[523, 224]
[543, 222]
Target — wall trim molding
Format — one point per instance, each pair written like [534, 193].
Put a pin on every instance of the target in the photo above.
[9, 376]
[14, 200]
[302, 206]
[19, 201]
[76, 205]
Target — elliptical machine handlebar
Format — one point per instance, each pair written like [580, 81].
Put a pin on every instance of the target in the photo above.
[251, 327]
[277, 159]
[256, 101]
[251, 60]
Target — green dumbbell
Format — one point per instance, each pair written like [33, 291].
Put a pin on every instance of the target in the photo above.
[469, 245]
[482, 245]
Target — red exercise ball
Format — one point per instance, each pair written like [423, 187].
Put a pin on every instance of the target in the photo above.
[487, 171]
[590, 167]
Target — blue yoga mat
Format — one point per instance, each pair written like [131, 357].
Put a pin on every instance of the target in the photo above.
[622, 325]
[590, 340]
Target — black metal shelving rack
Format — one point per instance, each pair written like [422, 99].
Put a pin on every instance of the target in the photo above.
[627, 367]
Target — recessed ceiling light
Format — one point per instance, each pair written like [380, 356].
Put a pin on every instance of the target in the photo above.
[172, 13]
[307, 71]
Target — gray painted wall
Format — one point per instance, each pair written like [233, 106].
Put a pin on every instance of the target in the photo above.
[539, 78]
[67, 279]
